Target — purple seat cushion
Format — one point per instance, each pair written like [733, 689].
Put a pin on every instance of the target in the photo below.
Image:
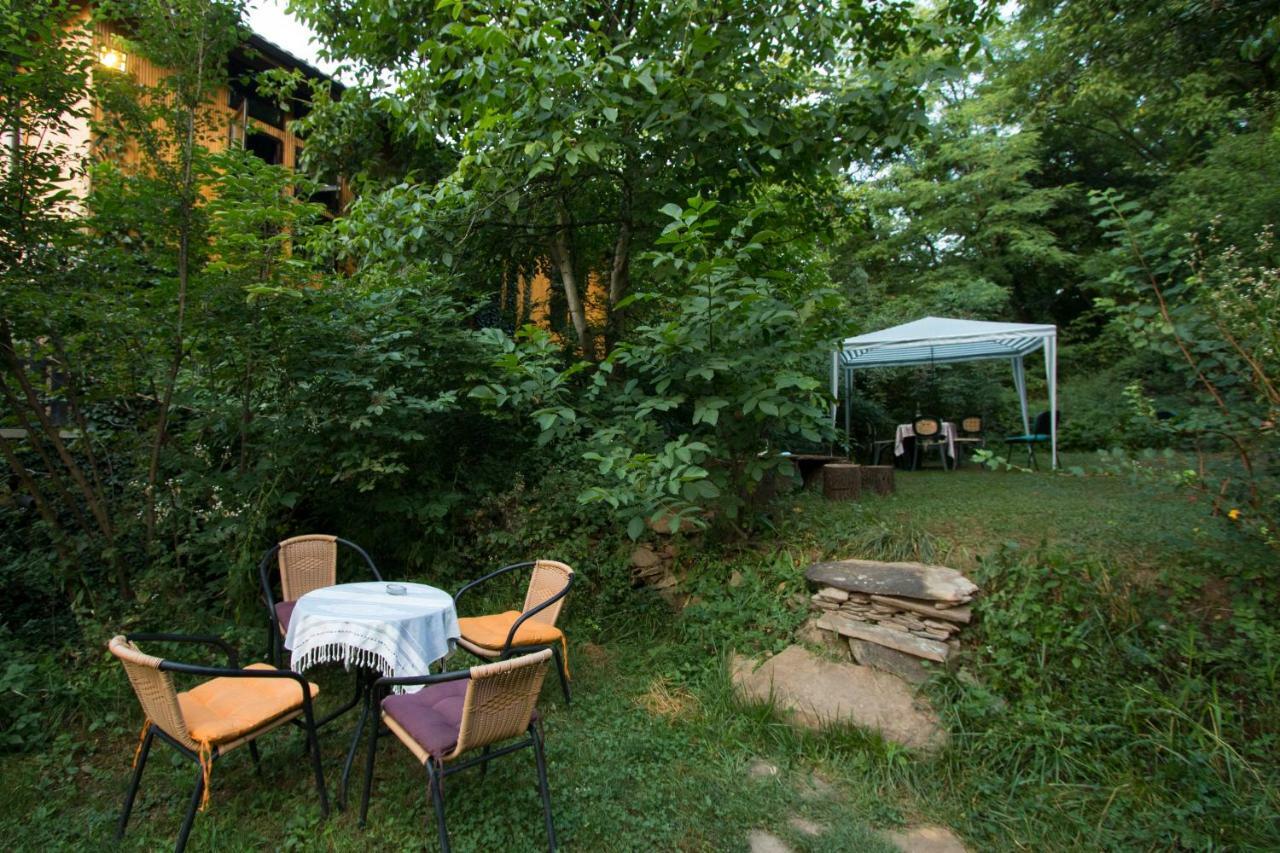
[432, 716]
[284, 611]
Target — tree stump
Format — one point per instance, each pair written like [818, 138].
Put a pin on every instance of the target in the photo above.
[842, 481]
[878, 478]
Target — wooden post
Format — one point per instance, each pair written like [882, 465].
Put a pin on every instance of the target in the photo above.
[878, 478]
[842, 481]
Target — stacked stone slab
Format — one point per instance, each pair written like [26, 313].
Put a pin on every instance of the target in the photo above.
[893, 614]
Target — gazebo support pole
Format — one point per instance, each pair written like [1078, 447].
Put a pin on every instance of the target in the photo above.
[835, 385]
[1051, 376]
[848, 405]
[1020, 382]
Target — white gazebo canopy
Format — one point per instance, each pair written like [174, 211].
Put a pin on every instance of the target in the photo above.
[940, 340]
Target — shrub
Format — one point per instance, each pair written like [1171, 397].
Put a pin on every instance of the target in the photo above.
[1141, 724]
[686, 414]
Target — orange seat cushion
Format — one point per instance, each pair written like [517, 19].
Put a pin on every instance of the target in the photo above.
[224, 709]
[491, 631]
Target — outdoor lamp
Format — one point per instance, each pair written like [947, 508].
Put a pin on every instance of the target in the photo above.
[111, 58]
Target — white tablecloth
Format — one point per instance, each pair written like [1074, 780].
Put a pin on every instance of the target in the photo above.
[906, 431]
[361, 624]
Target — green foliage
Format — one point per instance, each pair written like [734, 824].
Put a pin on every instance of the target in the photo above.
[571, 126]
[1139, 719]
[687, 413]
[961, 228]
[1207, 309]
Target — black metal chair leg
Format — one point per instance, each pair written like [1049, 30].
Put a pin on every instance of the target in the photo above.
[314, 742]
[368, 771]
[564, 676]
[192, 807]
[484, 765]
[137, 780]
[351, 756]
[434, 780]
[257, 759]
[542, 786]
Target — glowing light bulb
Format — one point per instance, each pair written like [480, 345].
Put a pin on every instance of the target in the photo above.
[113, 59]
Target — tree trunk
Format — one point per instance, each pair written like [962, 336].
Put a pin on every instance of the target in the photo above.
[564, 260]
[187, 202]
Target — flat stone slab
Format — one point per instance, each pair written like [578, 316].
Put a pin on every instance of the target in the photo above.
[816, 692]
[901, 641]
[907, 667]
[911, 580]
[805, 826]
[759, 841]
[960, 614]
[925, 839]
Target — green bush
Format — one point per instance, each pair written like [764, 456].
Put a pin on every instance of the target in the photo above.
[1143, 722]
[685, 417]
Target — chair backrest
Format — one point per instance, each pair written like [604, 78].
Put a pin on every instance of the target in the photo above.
[155, 690]
[549, 577]
[307, 563]
[1042, 424]
[926, 427]
[971, 425]
[500, 700]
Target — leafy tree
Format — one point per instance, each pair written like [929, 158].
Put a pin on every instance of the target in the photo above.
[43, 101]
[687, 414]
[573, 124]
[1208, 309]
[958, 227]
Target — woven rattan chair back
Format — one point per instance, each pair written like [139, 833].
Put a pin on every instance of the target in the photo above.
[500, 700]
[926, 427]
[307, 563]
[971, 425]
[155, 690]
[549, 577]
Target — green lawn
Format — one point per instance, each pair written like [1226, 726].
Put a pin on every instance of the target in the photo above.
[654, 754]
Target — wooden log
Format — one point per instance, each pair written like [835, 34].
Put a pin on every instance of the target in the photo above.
[953, 614]
[878, 479]
[841, 481]
[900, 641]
[908, 580]
[810, 465]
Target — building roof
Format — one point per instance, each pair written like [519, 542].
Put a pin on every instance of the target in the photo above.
[278, 56]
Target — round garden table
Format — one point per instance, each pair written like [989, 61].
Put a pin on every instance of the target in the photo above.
[366, 626]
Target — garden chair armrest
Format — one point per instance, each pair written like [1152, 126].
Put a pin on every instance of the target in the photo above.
[237, 672]
[515, 626]
[263, 577]
[490, 576]
[233, 656]
[414, 680]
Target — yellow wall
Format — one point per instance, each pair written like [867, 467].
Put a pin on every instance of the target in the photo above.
[533, 301]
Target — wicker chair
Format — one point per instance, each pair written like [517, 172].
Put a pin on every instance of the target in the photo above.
[533, 628]
[928, 434]
[459, 712]
[234, 707]
[305, 563]
[972, 434]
